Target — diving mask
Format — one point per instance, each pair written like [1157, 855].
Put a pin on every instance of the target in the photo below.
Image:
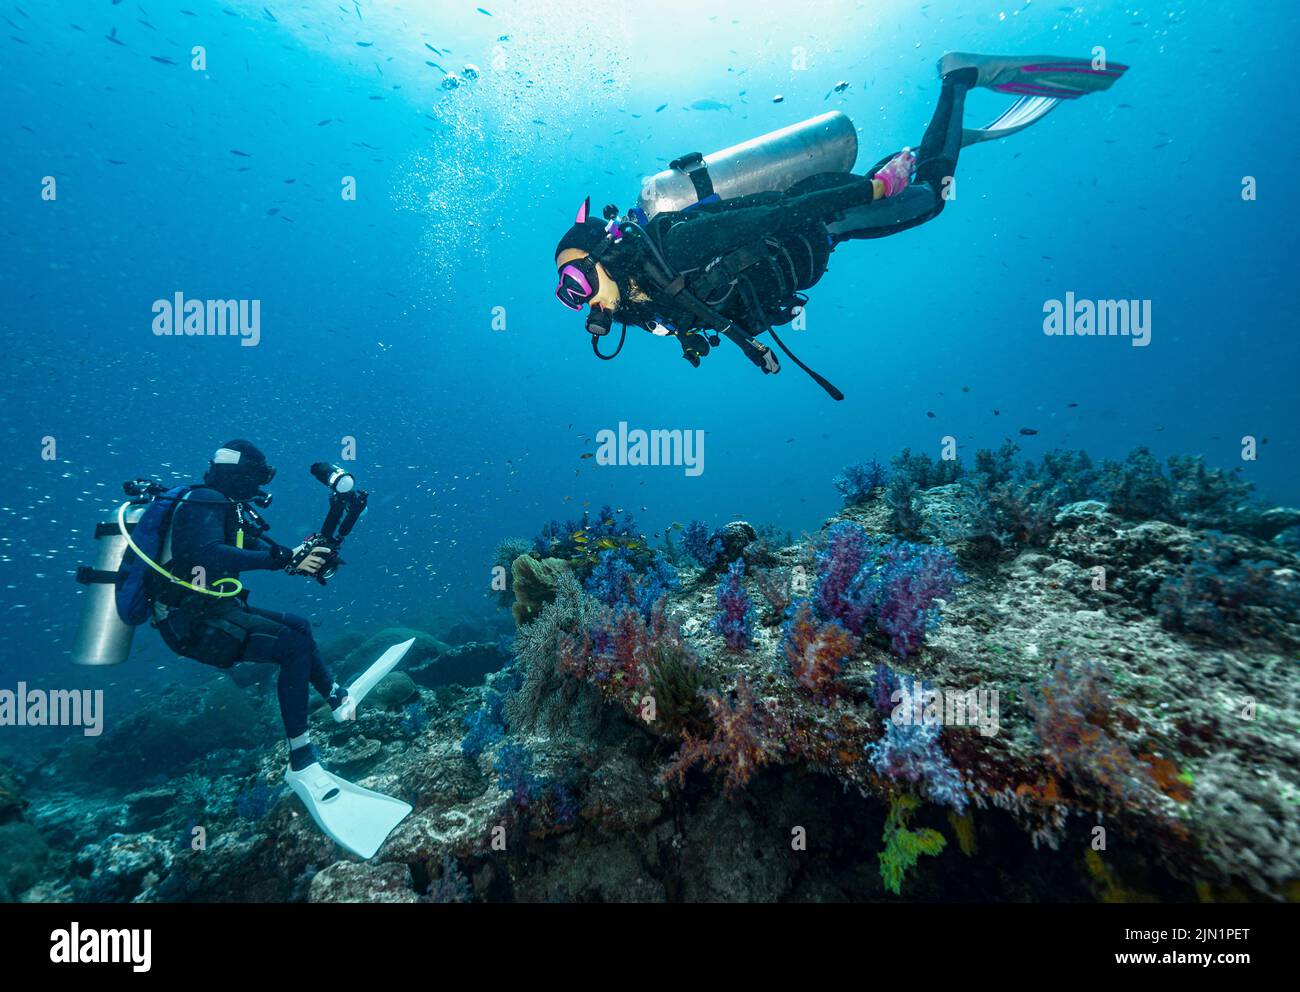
[579, 282]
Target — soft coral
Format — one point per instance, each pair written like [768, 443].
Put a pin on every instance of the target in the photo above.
[816, 651]
[747, 734]
[735, 619]
[892, 585]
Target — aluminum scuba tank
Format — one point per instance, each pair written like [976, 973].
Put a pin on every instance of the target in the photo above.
[103, 638]
[772, 162]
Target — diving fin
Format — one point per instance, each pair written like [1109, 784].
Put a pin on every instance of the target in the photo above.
[1039, 81]
[370, 678]
[1017, 117]
[354, 818]
[1034, 75]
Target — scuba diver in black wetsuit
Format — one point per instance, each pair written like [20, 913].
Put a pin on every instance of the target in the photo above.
[216, 531]
[172, 557]
[737, 266]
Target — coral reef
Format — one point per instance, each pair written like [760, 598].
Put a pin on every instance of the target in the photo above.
[858, 483]
[747, 723]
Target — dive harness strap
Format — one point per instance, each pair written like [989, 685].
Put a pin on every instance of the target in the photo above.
[97, 576]
[759, 354]
[693, 167]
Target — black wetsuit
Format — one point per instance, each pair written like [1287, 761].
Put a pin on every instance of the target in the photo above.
[786, 239]
[221, 632]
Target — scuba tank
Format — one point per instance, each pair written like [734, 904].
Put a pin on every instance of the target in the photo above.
[118, 599]
[103, 638]
[770, 163]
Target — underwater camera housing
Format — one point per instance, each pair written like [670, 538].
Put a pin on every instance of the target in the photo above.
[347, 504]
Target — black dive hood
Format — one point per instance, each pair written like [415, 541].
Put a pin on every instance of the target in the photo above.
[238, 471]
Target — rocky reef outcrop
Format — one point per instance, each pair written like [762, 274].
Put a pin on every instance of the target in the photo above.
[1010, 682]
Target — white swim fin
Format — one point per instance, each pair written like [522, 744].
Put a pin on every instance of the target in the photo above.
[355, 818]
[370, 678]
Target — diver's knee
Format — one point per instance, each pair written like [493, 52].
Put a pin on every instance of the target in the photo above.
[294, 645]
[295, 622]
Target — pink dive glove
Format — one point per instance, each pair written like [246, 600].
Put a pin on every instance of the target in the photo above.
[895, 174]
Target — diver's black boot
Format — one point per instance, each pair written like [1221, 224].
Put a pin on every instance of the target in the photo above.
[337, 697]
[302, 755]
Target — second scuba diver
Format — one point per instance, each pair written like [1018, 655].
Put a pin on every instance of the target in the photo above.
[188, 556]
[737, 267]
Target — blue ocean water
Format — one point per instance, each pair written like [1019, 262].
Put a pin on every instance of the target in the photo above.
[418, 318]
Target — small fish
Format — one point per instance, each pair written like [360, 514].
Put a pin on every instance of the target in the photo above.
[364, 44]
[1028, 431]
[432, 49]
[163, 59]
[778, 99]
[327, 120]
[273, 211]
[930, 414]
[269, 16]
[708, 104]
[482, 11]
[114, 39]
[1072, 405]
[236, 151]
[587, 454]
[606, 544]
[660, 107]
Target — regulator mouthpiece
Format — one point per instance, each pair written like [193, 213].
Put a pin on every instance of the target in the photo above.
[599, 321]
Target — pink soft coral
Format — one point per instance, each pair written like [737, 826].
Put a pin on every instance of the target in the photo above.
[816, 651]
[746, 735]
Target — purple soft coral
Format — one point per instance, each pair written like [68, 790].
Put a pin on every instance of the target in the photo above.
[903, 589]
[893, 585]
[735, 619]
[838, 594]
[909, 751]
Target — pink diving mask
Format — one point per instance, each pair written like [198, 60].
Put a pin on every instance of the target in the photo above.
[578, 283]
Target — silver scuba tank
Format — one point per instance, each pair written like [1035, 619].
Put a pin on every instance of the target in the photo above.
[103, 638]
[772, 162]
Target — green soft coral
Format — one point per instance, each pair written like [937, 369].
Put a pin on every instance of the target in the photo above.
[904, 847]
